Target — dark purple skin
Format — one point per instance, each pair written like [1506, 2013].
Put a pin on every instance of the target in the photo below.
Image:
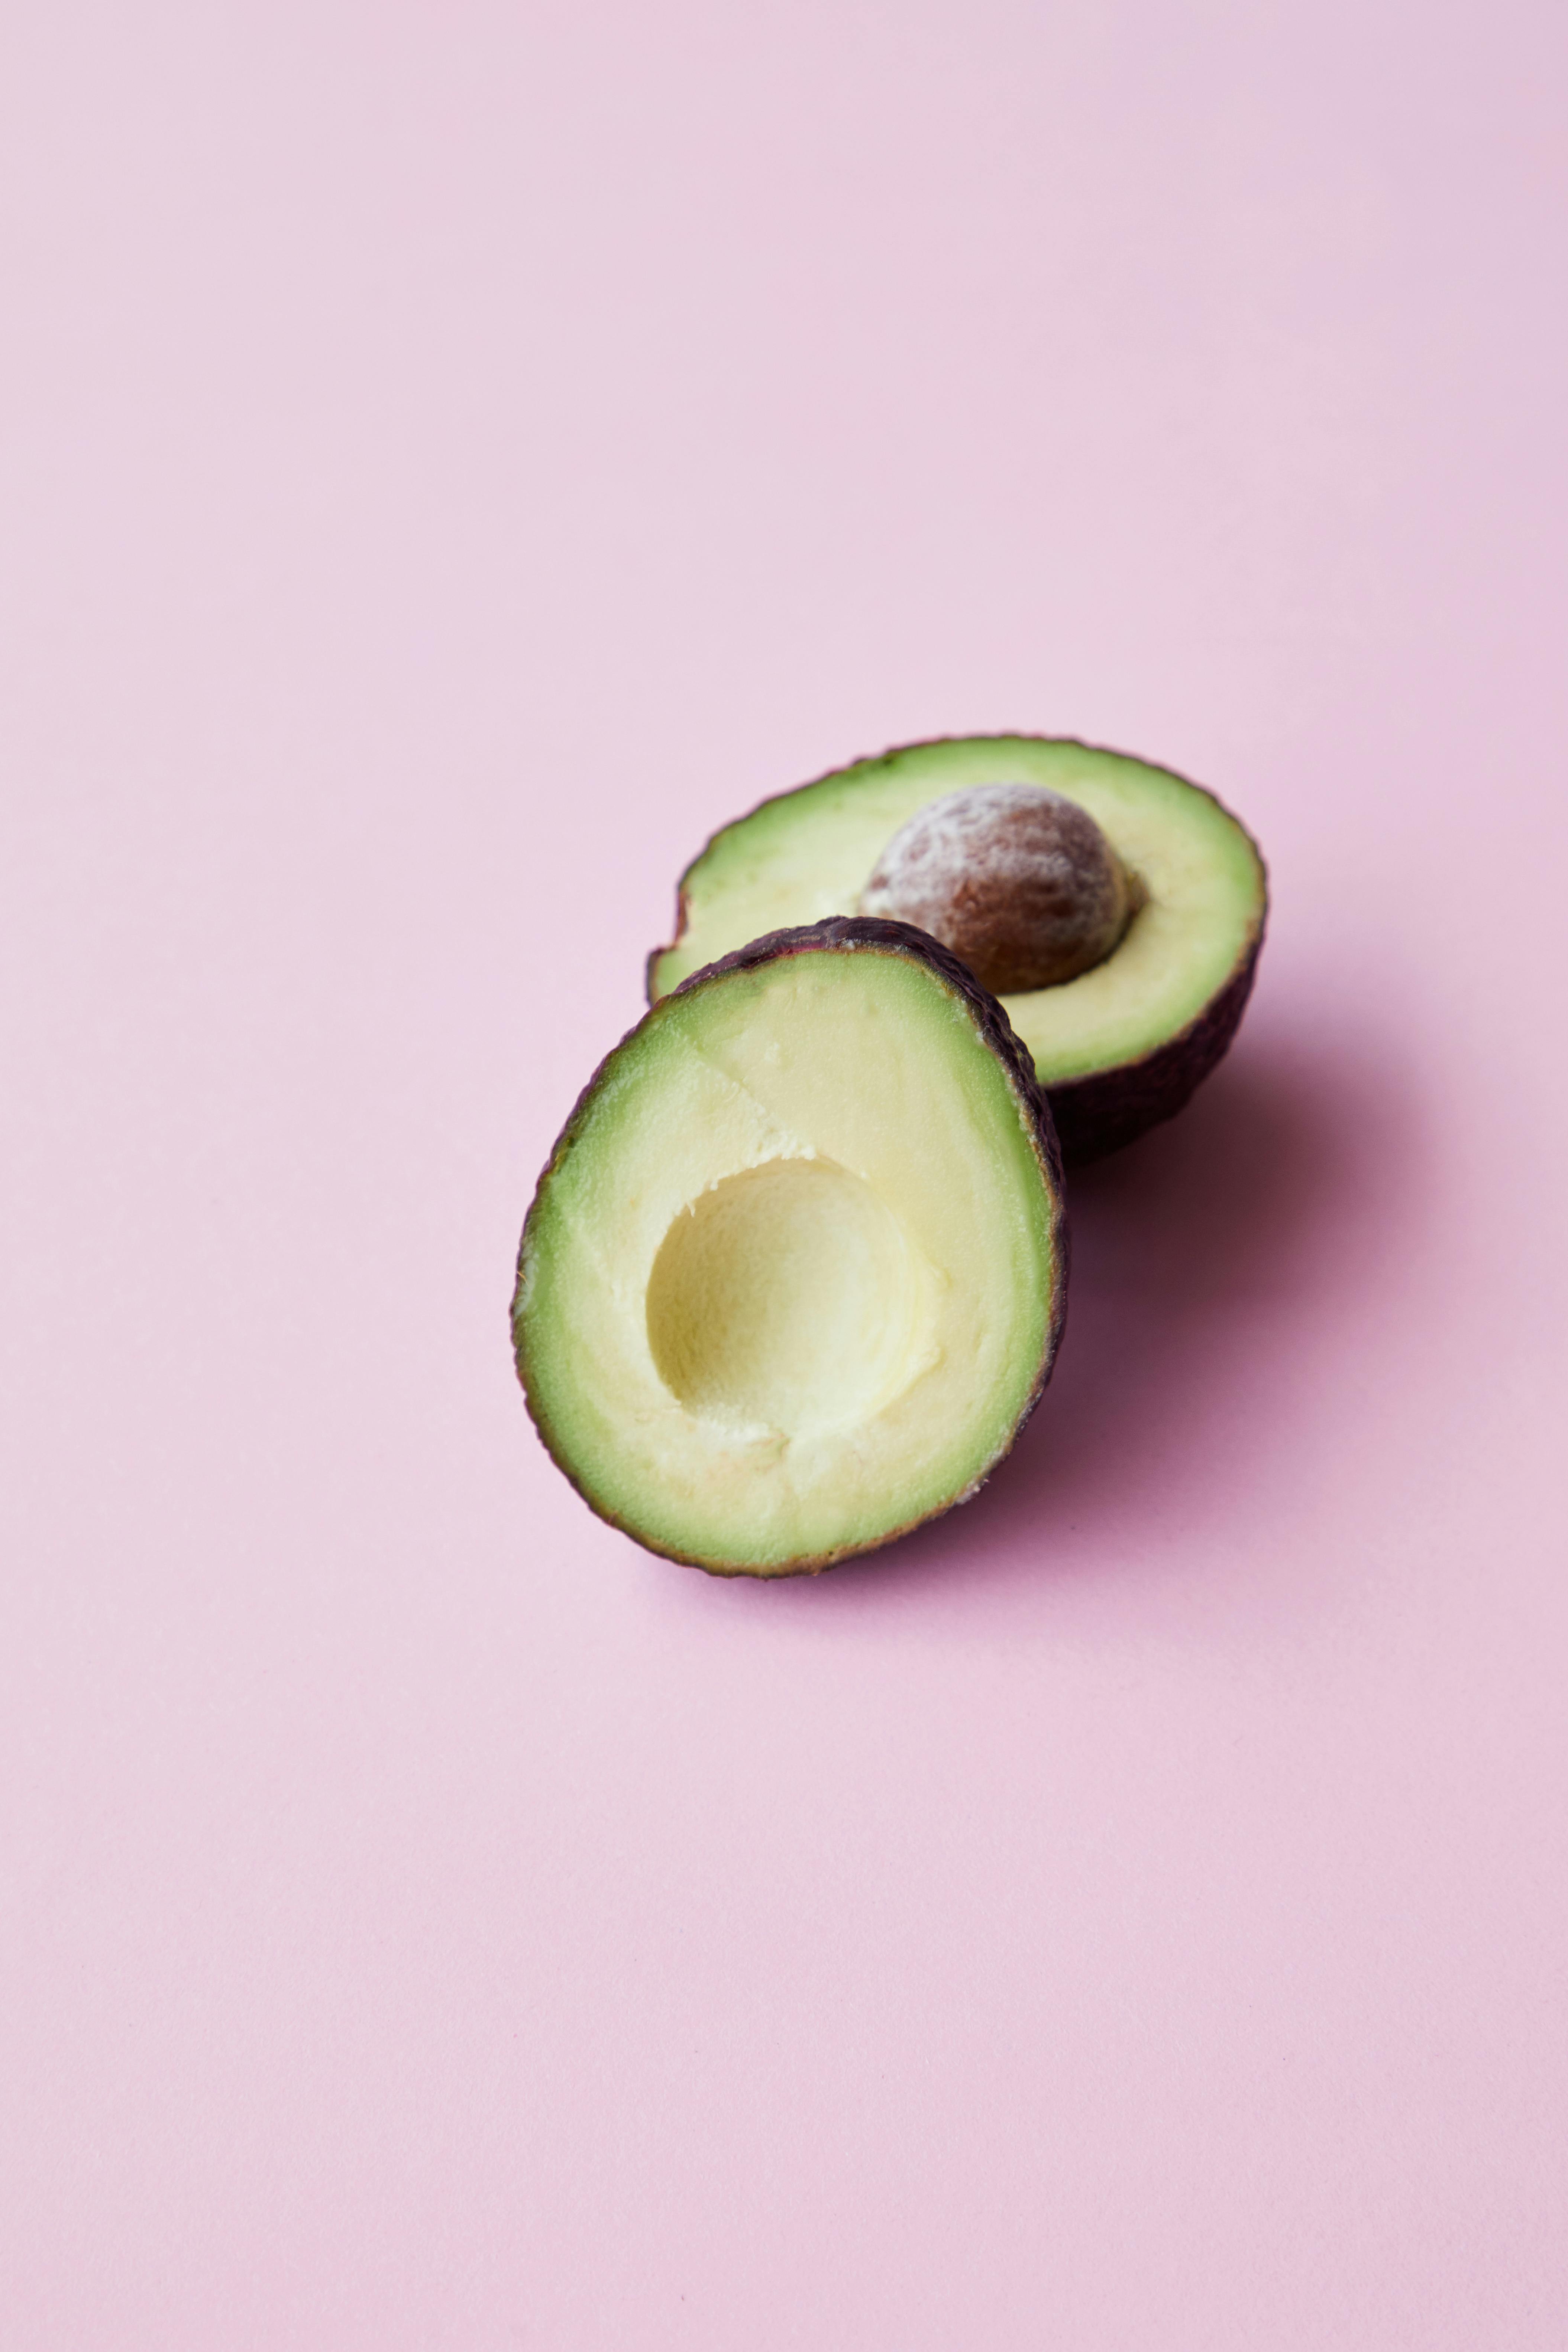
[839, 934]
[1100, 1113]
[1110, 1107]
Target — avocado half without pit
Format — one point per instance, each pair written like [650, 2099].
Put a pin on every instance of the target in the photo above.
[794, 1276]
[1116, 908]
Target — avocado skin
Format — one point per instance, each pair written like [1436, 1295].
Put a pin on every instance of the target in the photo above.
[835, 935]
[1101, 1113]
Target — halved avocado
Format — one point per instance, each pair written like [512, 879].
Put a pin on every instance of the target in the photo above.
[795, 1273]
[1119, 1047]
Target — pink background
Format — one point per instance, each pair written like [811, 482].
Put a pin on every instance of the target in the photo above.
[453, 457]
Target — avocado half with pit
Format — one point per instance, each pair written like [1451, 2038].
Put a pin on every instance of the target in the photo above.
[1150, 948]
[795, 1273]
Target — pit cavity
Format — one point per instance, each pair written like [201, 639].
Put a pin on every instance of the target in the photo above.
[788, 1297]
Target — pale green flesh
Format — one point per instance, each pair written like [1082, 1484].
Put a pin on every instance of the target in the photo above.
[789, 1290]
[808, 855]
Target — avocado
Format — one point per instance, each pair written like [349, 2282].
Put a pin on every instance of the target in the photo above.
[795, 1272]
[1151, 914]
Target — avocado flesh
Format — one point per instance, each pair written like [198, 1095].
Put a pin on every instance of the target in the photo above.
[795, 1272]
[808, 853]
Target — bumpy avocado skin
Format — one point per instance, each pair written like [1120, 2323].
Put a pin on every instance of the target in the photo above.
[1100, 1113]
[838, 934]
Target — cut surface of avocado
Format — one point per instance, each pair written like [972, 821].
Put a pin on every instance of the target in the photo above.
[1194, 934]
[795, 1273]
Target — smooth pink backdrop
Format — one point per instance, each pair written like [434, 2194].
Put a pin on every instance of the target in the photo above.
[452, 458]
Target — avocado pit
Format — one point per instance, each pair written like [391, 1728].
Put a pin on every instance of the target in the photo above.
[1018, 881]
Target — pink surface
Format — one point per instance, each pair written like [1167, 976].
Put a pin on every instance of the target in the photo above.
[452, 458]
